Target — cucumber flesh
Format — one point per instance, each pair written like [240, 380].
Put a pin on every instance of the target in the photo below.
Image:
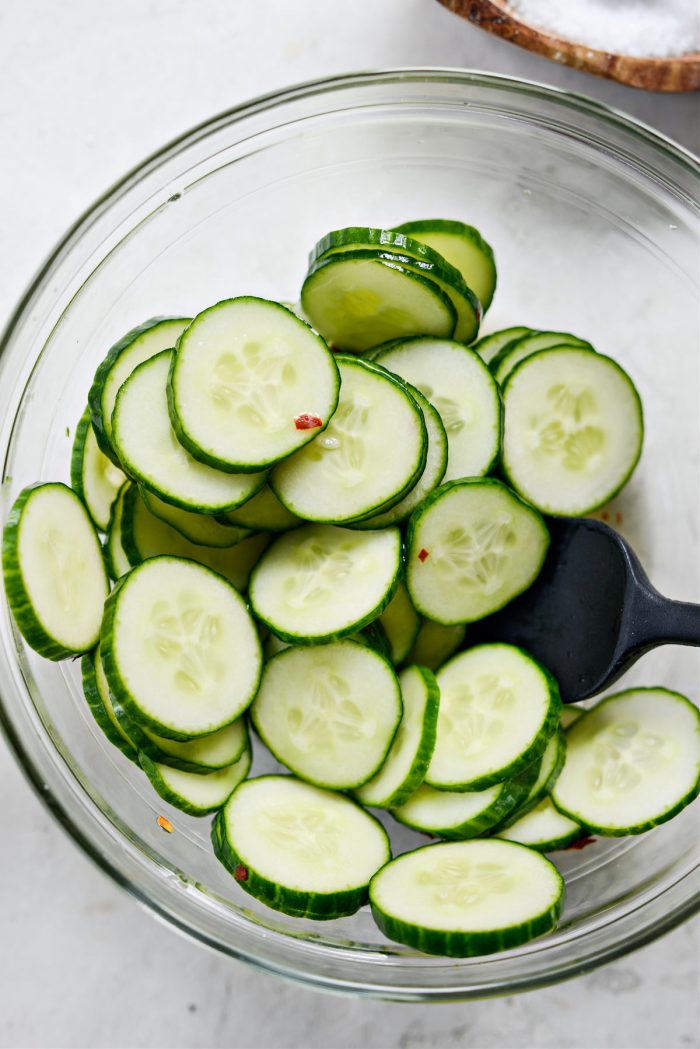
[550, 767]
[95, 702]
[150, 452]
[329, 713]
[569, 714]
[632, 762]
[137, 346]
[498, 709]
[472, 546]
[197, 795]
[301, 850]
[573, 431]
[459, 385]
[372, 452]
[94, 478]
[320, 582]
[489, 345]
[357, 303]
[406, 763]
[463, 247]
[201, 529]
[115, 558]
[543, 828]
[54, 573]
[512, 354]
[467, 898]
[435, 643]
[263, 513]
[180, 651]
[401, 624]
[246, 371]
[117, 733]
[199, 756]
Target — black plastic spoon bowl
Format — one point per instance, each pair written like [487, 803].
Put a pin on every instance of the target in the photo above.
[591, 612]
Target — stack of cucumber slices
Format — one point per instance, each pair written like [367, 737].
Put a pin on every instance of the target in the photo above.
[300, 511]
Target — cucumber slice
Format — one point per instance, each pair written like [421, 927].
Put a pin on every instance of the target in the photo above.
[357, 303]
[569, 714]
[180, 651]
[404, 768]
[472, 546]
[498, 710]
[115, 558]
[400, 623]
[54, 573]
[320, 582]
[463, 247]
[435, 643]
[263, 513]
[94, 694]
[489, 345]
[372, 453]
[573, 432]
[200, 756]
[543, 828]
[196, 795]
[456, 382]
[433, 471]
[149, 450]
[550, 768]
[372, 636]
[94, 478]
[464, 814]
[142, 342]
[329, 713]
[143, 535]
[118, 732]
[201, 529]
[505, 361]
[301, 850]
[247, 382]
[359, 238]
[631, 763]
[468, 898]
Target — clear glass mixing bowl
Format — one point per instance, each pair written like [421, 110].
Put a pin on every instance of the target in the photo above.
[594, 222]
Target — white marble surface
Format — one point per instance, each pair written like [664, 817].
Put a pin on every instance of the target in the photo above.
[87, 89]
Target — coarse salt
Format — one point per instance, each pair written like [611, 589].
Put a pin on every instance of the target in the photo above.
[649, 28]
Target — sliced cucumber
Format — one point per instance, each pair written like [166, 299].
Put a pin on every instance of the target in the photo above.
[463, 247]
[372, 636]
[357, 303]
[200, 756]
[94, 478]
[150, 452]
[93, 695]
[263, 513]
[505, 361]
[573, 432]
[329, 713]
[464, 814]
[433, 471]
[201, 529]
[148, 339]
[250, 384]
[551, 764]
[400, 623]
[457, 382]
[320, 582]
[472, 546]
[498, 710]
[405, 766]
[489, 345]
[302, 850]
[118, 731]
[372, 453]
[196, 795]
[631, 763]
[54, 573]
[467, 898]
[543, 828]
[435, 643]
[569, 714]
[115, 558]
[144, 535]
[180, 651]
[359, 238]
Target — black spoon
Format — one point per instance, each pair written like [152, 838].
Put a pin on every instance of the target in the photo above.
[591, 612]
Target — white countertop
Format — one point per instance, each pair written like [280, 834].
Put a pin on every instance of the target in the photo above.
[87, 88]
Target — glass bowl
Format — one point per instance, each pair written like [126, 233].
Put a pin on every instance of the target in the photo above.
[593, 222]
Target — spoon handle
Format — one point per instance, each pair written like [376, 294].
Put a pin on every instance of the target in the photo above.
[657, 620]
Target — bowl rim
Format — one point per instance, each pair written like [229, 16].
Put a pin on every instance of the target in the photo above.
[668, 919]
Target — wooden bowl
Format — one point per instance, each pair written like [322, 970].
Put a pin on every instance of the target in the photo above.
[681, 73]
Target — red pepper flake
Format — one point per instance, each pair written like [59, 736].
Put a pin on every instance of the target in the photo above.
[240, 873]
[306, 421]
[580, 843]
[423, 554]
[164, 824]
[605, 516]
[618, 518]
